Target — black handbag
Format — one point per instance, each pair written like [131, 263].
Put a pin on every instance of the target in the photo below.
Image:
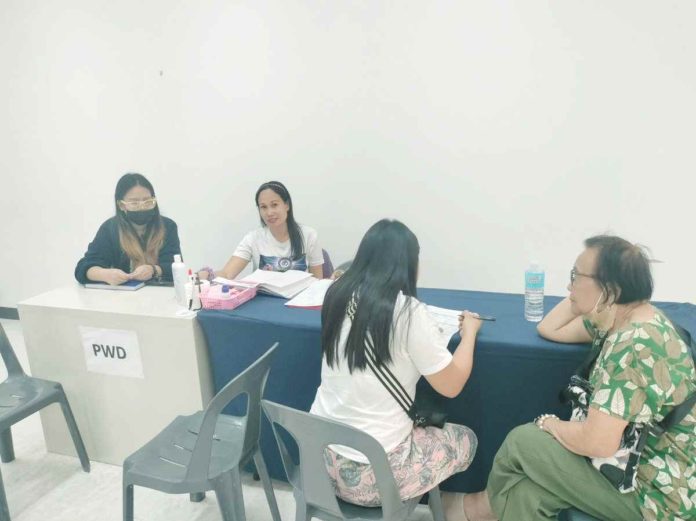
[423, 410]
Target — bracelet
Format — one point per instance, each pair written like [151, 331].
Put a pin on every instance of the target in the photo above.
[154, 271]
[540, 420]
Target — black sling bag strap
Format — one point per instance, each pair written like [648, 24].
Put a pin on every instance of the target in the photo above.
[680, 411]
[423, 413]
[394, 387]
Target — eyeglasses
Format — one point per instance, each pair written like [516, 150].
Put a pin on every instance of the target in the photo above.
[145, 204]
[574, 274]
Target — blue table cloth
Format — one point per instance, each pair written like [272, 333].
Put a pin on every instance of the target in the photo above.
[516, 376]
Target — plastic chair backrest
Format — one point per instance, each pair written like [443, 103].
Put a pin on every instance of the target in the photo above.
[250, 382]
[8, 355]
[312, 434]
[327, 267]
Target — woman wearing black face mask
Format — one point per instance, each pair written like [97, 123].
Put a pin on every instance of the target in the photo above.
[136, 244]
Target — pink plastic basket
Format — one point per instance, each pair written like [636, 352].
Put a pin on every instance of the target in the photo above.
[211, 297]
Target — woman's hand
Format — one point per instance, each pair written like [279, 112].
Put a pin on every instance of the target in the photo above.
[469, 323]
[142, 272]
[599, 436]
[114, 277]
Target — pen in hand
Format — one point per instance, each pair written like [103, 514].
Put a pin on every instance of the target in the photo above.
[488, 318]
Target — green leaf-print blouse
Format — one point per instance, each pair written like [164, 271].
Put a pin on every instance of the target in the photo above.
[642, 372]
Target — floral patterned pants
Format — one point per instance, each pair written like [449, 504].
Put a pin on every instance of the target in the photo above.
[424, 459]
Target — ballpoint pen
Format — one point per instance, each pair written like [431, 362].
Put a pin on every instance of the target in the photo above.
[489, 318]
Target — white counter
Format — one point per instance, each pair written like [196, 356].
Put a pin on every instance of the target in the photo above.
[116, 414]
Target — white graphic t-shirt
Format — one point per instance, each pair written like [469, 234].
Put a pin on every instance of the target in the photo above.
[266, 253]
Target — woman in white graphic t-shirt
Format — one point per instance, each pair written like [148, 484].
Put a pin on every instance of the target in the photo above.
[280, 244]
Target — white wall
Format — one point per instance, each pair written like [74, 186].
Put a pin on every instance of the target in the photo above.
[496, 130]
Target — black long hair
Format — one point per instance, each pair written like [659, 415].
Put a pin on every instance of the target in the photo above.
[386, 263]
[143, 250]
[294, 230]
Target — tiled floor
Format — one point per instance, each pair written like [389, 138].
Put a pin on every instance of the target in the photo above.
[41, 486]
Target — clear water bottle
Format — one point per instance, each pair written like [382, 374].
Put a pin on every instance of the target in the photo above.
[534, 292]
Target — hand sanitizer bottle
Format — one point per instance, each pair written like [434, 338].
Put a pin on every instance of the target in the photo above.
[180, 276]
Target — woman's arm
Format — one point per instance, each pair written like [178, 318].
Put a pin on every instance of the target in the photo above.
[562, 325]
[451, 380]
[102, 253]
[598, 436]
[233, 267]
[317, 271]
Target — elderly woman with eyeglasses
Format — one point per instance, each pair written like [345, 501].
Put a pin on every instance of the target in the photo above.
[639, 369]
[136, 244]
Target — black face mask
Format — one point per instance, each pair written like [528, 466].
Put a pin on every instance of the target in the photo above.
[141, 217]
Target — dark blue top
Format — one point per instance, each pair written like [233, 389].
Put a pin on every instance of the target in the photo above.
[105, 251]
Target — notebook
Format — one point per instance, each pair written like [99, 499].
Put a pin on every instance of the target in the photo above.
[129, 285]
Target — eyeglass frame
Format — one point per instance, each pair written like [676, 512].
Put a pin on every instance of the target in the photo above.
[139, 205]
[574, 274]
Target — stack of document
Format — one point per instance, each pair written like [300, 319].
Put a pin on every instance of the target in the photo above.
[284, 284]
[312, 297]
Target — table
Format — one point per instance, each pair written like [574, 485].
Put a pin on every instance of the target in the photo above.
[116, 414]
[517, 375]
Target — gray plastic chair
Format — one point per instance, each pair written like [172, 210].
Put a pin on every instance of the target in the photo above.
[206, 450]
[21, 396]
[575, 515]
[313, 491]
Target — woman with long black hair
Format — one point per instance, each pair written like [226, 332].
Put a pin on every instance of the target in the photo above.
[136, 244]
[371, 318]
[280, 244]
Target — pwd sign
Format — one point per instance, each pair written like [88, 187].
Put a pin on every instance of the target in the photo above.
[112, 351]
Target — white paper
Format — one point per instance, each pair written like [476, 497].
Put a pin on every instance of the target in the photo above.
[112, 351]
[289, 291]
[239, 283]
[313, 296]
[447, 319]
[278, 279]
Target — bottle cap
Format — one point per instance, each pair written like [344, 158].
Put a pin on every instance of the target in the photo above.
[177, 257]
